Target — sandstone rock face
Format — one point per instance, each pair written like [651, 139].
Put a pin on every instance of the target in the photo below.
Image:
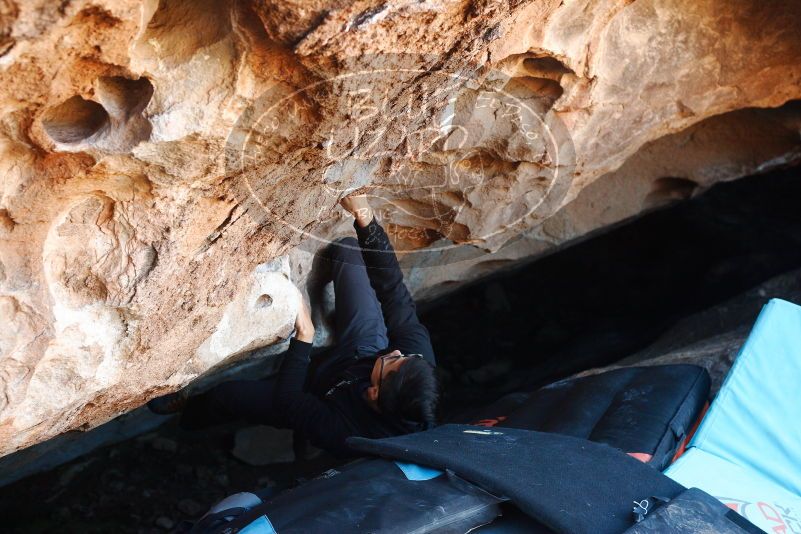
[169, 168]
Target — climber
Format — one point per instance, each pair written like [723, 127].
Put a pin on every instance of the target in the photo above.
[377, 381]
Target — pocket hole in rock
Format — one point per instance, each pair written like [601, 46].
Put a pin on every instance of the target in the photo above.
[530, 87]
[123, 97]
[545, 67]
[6, 44]
[7, 223]
[667, 190]
[74, 120]
[264, 301]
[178, 29]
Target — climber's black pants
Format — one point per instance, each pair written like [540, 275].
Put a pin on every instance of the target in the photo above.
[359, 326]
[235, 400]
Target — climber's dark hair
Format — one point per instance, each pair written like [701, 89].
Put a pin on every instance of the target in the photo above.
[411, 392]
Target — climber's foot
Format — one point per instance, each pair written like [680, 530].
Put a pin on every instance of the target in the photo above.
[168, 404]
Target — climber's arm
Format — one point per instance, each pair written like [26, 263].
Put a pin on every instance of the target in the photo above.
[404, 329]
[307, 414]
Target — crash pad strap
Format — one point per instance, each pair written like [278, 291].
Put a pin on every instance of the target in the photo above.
[569, 484]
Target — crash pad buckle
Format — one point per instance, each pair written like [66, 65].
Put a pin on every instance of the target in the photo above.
[642, 507]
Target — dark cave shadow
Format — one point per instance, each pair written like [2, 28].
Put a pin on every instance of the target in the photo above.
[607, 297]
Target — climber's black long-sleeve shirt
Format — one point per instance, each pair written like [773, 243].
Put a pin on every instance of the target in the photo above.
[328, 415]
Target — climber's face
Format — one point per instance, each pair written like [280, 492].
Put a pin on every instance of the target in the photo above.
[384, 365]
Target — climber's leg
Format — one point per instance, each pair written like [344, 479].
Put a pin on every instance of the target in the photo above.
[236, 400]
[359, 321]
